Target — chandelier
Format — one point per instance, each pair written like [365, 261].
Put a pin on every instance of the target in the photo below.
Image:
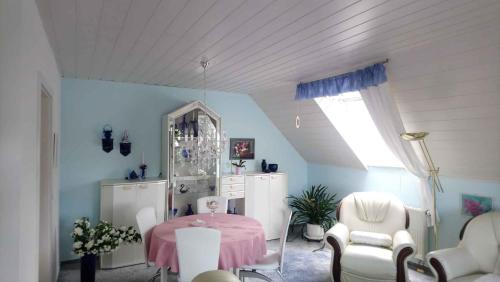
[206, 147]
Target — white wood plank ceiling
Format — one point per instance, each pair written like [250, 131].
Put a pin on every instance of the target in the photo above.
[444, 61]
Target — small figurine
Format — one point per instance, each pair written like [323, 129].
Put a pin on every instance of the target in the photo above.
[132, 175]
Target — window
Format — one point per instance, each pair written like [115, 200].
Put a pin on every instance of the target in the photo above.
[348, 113]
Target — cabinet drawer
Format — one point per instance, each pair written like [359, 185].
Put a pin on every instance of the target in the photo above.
[232, 188]
[234, 195]
[233, 179]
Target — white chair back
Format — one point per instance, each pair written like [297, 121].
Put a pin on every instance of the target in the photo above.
[146, 221]
[390, 212]
[198, 251]
[202, 204]
[481, 241]
[284, 235]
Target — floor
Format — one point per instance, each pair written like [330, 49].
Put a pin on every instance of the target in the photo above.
[301, 265]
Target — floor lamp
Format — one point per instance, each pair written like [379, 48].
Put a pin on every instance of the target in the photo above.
[436, 183]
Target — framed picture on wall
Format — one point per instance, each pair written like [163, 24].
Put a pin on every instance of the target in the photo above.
[242, 148]
[475, 205]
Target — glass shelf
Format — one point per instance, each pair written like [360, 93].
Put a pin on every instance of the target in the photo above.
[193, 193]
[193, 177]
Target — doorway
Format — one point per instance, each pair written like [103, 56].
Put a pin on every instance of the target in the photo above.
[47, 256]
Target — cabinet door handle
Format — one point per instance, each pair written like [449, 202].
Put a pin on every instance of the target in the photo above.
[231, 179]
[143, 186]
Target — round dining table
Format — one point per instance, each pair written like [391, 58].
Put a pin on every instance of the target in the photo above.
[243, 240]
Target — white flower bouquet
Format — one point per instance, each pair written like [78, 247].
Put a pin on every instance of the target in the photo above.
[102, 239]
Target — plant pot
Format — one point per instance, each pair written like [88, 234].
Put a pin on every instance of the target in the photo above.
[315, 231]
[87, 268]
[237, 170]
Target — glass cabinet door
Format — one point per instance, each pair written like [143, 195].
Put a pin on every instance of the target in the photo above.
[193, 156]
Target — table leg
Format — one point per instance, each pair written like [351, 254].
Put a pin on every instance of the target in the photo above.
[164, 274]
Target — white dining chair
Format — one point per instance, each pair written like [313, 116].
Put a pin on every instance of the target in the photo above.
[272, 260]
[146, 221]
[202, 204]
[198, 250]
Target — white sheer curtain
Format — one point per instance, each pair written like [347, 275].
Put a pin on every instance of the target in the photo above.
[386, 117]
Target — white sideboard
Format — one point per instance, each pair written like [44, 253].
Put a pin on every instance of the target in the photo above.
[265, 200]
[120, 202]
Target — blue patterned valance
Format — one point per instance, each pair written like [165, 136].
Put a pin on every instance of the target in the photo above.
[348, 82]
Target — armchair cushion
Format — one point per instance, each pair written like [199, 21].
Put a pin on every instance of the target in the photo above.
[371, 238]
[371, 207]
[455, 262]
[376, 262]
[392, 219]
[469, 278]
[488, 278]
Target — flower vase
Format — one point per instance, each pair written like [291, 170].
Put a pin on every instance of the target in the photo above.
[263, 165]
[87, 268]
[237, 170]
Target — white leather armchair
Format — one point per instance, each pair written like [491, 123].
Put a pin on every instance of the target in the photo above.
[370, 241]
[477, 255]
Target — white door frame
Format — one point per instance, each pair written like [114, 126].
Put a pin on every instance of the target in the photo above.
[51, 198]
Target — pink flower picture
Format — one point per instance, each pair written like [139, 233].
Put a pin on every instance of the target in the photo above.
[475, 205]
[242, 148]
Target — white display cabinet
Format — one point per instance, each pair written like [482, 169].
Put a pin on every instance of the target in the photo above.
[190, 156]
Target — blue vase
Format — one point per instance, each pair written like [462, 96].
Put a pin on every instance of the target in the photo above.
[87, 268]
[189, 210]
[263, 165]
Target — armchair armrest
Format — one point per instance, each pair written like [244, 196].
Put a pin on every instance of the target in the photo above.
[451, 263]
[403, 247]
[402, 241]
[337, 238]
[340, 233]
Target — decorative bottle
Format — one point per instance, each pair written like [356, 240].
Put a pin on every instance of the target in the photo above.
[189, 210]
[264, 165]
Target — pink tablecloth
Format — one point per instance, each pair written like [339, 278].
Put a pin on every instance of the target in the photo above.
[243, 241]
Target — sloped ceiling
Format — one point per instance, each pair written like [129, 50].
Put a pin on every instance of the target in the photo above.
[444, 64]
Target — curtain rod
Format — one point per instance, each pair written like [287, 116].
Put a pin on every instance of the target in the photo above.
[382, 62]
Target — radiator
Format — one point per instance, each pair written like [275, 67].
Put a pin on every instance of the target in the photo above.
[419, 219]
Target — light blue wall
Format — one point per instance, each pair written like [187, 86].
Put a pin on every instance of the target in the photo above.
[397, 181]
[88, 105]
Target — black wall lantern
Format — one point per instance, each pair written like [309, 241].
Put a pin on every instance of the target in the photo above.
[107, 141]
[125, 145]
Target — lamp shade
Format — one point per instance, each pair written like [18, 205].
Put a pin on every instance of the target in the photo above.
[415, 136]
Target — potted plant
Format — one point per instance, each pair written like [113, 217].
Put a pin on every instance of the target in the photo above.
[89, 242]
[238, 166]
[315, 207]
